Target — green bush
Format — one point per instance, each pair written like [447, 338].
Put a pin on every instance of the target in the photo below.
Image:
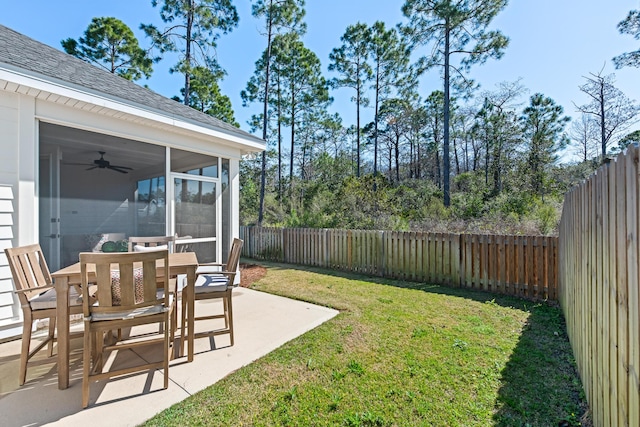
[547, 217]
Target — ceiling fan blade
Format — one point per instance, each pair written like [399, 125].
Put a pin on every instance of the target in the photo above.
[120, 167]
[117, 169]
[77, 164]
[92, 167]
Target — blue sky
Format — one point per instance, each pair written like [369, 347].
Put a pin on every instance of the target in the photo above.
[553, 43]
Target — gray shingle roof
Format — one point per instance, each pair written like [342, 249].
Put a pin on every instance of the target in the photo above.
[20, 51]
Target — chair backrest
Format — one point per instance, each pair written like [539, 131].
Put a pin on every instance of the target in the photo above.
[140, 244]
[124, 281]
[29, 270]
[234, 256]
[182, 247]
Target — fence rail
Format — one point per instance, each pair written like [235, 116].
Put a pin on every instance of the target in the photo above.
[524, 266]
[598, 276]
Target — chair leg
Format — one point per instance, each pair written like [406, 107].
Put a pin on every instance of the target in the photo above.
[86, 362]
[230, 317]
[183, 318]
[26, 343]
[172, 333]
[167, 334]
[225, 309]
[174, 324]
[52, 330]
[98, 344]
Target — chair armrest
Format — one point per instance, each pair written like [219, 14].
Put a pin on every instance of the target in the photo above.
[215, 268]
[223, 272]
[213, 264]
[227, 273]
[37, 288]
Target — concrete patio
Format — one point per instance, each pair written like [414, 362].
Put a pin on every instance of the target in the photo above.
[262, 323]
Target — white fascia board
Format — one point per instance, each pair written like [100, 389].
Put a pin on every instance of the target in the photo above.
[81, 94]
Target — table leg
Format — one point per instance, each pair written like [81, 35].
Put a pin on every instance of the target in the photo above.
[191, 314]
[62, 324]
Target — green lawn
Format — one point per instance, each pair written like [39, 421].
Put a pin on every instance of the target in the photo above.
[400, 354]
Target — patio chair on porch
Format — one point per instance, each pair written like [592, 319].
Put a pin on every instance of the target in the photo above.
[215, 281]
[131, 295]
[37, 297]
[150, 243]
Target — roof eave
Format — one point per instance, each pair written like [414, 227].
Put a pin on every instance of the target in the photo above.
[26, 83]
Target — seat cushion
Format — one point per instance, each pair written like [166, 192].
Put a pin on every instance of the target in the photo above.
[47, 299]
[130, 314]
[116, 292]
[211, 283]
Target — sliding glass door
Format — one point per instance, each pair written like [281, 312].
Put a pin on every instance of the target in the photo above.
[197, 203]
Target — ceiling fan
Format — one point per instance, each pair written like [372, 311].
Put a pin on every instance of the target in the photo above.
[101, 163]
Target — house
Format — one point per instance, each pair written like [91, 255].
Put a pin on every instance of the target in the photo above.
[87, 157]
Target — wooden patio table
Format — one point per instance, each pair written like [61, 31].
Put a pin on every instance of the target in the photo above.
[180, 263]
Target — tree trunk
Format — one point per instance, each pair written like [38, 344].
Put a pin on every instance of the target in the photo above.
[375, 120]
[602, 117]
[445, 159]
[455, 156]
[358, 127]
[397, 155]
[486, 157]
[466, 153]
[279, 140]
[293, 134]
[412, 160]
[263, 172]
[438, 175]
[187, 54]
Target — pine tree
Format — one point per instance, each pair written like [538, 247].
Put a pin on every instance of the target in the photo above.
[192, 31]
[350, 61]
[278, 15]
[452, 26]
[110, 44]
[543, 130]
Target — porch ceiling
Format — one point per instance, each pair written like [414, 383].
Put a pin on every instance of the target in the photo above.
[80, 146]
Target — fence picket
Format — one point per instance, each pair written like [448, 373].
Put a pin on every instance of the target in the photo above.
[603, 232]
[633, 282]
[621, 285]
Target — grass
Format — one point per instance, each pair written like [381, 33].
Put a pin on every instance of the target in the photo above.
[399, 354]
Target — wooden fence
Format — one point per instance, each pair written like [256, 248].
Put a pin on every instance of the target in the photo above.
[524, 266]
[598, 276]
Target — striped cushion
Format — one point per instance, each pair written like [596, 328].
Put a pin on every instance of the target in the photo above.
[211, 283]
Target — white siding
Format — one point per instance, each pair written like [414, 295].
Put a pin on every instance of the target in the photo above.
[9, 310]
[9, 147]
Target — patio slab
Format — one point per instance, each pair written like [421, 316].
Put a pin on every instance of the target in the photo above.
[262, 323]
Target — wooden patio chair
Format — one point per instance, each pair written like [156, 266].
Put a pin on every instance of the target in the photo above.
[215, 281]
[129, 293]
[37, 297]
[182, 247]
[149, 243]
